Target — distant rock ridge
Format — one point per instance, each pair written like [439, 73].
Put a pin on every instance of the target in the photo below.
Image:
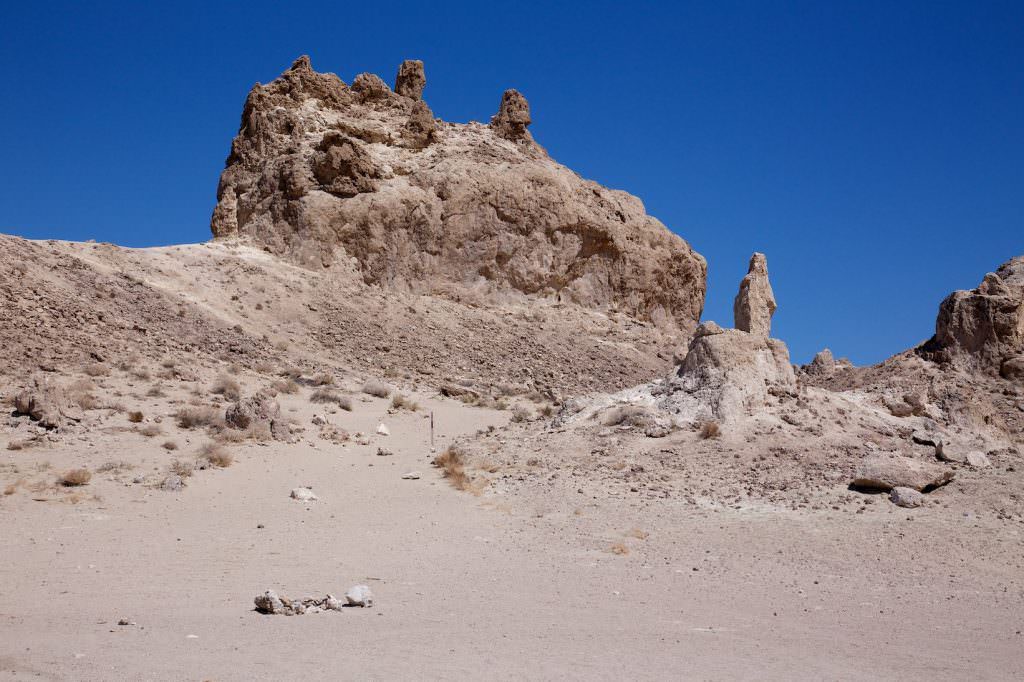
[365, 178]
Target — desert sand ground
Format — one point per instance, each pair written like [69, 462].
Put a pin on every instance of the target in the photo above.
[566, 572]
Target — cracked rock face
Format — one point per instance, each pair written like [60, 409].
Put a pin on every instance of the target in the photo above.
[985, 325]
[366, 180]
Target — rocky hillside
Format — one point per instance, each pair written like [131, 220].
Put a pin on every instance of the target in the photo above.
[365, 178]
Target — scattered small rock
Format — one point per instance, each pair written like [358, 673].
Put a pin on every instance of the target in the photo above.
[978, 460]
[383, 430]
[906, 497]
[382, 452]
[411, 475]
[173, 483]
[359, 595]
[304, 495]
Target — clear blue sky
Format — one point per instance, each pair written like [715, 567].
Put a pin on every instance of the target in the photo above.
[874, 150]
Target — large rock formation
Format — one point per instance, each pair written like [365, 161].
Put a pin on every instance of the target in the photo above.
[365, 178]
[729, 374]
[984, 326]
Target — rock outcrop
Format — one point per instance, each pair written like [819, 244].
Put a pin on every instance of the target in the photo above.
[732, 373]
[365, 178]
[984, 326]
[755, 303]
[46, 402]
[411, 79]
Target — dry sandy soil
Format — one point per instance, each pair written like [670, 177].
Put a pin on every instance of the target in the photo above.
[589, 554]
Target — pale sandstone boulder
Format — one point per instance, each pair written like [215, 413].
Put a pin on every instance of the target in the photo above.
[755, 303]
[45, 401]
[882, 472]
[906, 497]
[364, 178]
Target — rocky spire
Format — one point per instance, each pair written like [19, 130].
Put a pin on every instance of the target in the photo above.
[411, 79]
[755, 302]
[513, 116]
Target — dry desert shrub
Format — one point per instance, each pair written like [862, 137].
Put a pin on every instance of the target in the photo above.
[150, 431]
[322, 379]
[169, 445]
[96, 369]
[155, 391]
[167, 363]
[619, 548]
[264, 367]
[74, 478]
[192, 417]
[182, 468]
[520, 414]
[135, 417]
[16, 445]
[286, 386]
[113, 466]
[547, 410]
[216, 455]
[452, 464]
[85, 400]
[403, 402]
[376, 388]
[709, 429]
[142, 374]
[227, 387]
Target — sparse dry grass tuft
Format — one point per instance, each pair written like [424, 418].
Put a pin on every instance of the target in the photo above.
[286, 386]
[155, 391]
[75, 477]
[169, 445]
[376, 388]
[216, 455]
[402, 402]
[16, 445]
[322, 379]
[96, 369]
[619, 548]
[227, 387]
[182, 468]
[135, 417]
[452, 463]
[114, 466]
[150, 431]
[709, 429]
[192, 417]
[638, 534]
[85, 400]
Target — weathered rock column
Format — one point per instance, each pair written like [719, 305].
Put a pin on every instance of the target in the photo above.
[755, 303]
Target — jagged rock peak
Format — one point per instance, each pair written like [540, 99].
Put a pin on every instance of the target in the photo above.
[513, 116]
[755, 303]
[411, 79]
[985, 325]
[302, 64]
[366, 180]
